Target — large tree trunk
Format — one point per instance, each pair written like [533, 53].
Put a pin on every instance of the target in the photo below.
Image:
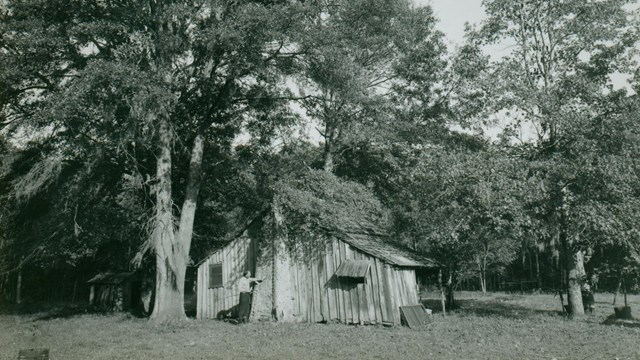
[615, 294]
[330, 132]
[576, 274]
[187, 215]
[574, 269]
[170, 261]
[328, 155]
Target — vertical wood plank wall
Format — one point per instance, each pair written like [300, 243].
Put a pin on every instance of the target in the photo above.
[318, 295]
[237, 257]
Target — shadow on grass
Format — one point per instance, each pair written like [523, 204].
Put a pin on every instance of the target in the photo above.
[63, 312]
[48, 311]
[613, 320]
[45, 311]
[69, 311]
[490, 308]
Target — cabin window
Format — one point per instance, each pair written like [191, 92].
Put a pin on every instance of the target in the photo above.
[215, 275]
[355, 270]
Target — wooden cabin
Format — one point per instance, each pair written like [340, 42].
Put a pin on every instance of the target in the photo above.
[357, 278]
[114, 291]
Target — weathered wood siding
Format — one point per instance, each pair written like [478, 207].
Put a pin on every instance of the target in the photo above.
[109, 296]
[321, 296]
[314, 294]
[237, 257]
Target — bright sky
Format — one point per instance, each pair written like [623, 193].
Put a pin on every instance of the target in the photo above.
[453, 14]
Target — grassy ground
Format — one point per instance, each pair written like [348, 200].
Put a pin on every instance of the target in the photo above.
[494, 326]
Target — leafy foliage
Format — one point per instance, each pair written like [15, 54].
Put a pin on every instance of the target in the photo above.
[473, 205]
[355, 53]
[317, 205]
[555, 82]
[87, 86]
[102, 85]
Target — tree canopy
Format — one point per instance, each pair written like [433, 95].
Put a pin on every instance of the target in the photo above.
[142, 133]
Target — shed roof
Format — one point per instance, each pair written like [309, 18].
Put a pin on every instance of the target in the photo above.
[373, 243]
[381, 247]
[110, 278]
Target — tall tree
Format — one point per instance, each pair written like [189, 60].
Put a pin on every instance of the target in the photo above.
[562, 55]
[355, 52]
[462, 208]
[172, 77]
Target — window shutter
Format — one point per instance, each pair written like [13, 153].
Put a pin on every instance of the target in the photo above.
[215, 275]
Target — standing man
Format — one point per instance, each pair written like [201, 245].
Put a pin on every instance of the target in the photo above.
[245, 287]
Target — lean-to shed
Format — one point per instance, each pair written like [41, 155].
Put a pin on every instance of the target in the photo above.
[114, 291]
[358, 278]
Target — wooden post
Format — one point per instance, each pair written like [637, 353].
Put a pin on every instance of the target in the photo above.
[92, 294]
[75, 287]
[615, 293]
[274, 277]
[19, 287]
[442, 296]
[538, 270]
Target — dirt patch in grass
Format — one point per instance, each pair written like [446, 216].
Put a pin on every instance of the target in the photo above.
[496, 326]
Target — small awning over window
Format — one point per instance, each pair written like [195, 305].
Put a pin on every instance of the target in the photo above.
[353, 268]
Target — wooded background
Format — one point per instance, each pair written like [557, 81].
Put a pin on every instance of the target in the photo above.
[140, 134]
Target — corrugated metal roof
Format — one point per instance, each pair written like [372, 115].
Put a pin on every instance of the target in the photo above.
[110, 278]
[380, 247]
[353, 268]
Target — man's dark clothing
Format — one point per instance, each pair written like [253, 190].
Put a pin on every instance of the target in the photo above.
[245, 307]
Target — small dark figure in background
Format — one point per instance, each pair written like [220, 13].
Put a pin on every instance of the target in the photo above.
[588, 300]
[594, 281]
[245, 287]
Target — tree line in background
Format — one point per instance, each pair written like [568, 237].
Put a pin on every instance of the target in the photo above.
[140, 134]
